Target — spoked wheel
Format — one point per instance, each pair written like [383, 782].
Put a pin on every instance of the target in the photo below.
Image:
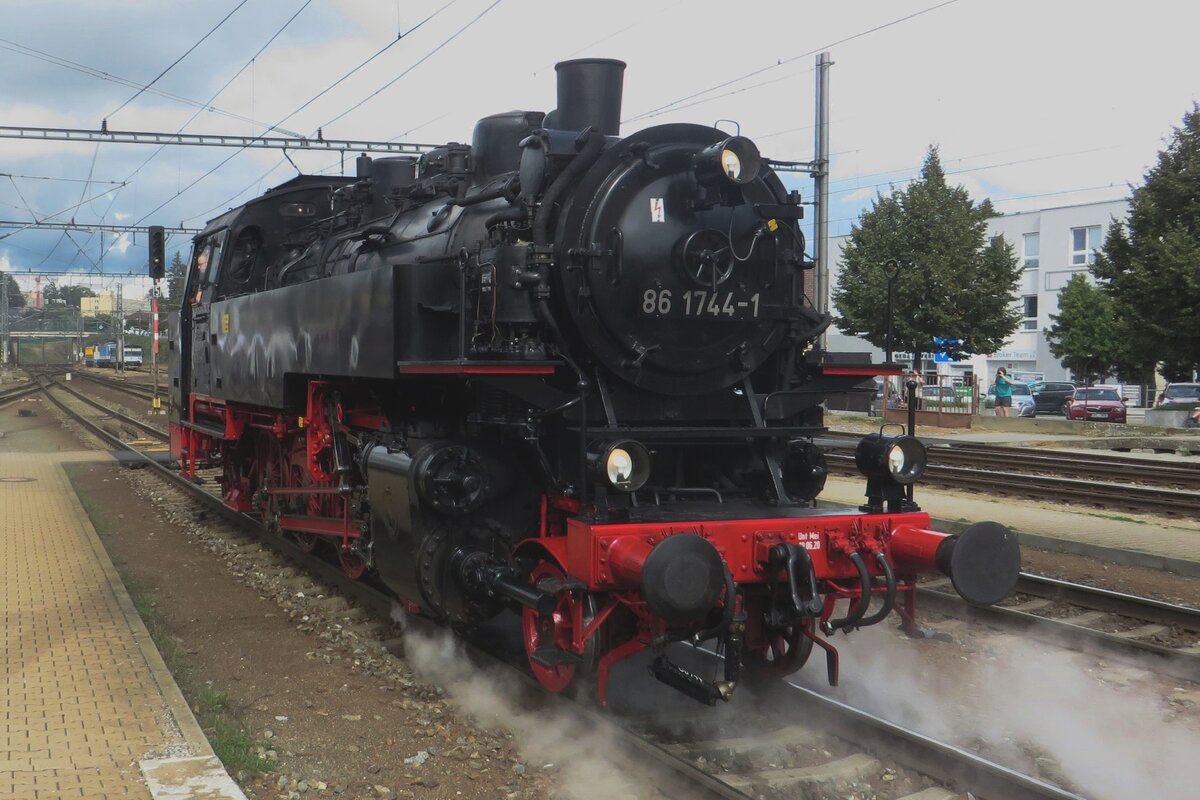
[353, 564]
[786, 651]
[305, 504]
[270, 471]
[545, 631]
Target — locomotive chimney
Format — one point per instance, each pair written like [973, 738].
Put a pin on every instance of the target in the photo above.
[589, 93]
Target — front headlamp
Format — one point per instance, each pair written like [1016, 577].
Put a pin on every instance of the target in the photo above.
[622, 465]
[736, 159]
[898, 458]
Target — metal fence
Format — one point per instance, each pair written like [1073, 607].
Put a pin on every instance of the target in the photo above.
[942, 401]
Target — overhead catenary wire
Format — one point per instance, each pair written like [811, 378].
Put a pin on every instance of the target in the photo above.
[54, 178]
[225, 86]
[281, 162]
[174, 63]
[415, 64]
[674, 105]
[50, 58]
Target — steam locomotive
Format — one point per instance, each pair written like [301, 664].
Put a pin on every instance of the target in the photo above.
[563, 372]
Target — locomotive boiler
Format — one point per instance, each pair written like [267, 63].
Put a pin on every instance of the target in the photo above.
[564, 372]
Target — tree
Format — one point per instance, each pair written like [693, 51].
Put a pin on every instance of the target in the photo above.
[68, 296]
[175, 277]
[15, 298]
[955, 286]
[1150, 264]
[1086, 335]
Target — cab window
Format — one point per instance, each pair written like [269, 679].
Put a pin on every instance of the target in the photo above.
[206, 265]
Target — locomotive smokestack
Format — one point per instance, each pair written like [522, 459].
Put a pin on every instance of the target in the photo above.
[589, 93]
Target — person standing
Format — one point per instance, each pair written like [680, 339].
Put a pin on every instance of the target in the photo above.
[1003, 392]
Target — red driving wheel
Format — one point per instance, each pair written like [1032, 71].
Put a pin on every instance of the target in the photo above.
[548, 630]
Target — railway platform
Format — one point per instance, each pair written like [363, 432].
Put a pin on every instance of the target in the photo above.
[88, 709]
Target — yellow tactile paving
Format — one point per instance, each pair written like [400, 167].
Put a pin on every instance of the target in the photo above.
[83, 694]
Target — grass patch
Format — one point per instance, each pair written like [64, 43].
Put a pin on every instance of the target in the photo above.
[230, 737]
[1115, 517]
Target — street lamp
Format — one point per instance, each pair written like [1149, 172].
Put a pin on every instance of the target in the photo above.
[891, 271]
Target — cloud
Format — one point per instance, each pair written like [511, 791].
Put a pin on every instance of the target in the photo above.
[993, 89]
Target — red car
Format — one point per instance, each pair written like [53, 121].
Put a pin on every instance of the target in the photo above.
[1095, 404]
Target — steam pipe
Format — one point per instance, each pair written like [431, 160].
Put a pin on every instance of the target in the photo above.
[508, 190]
[593, 145]
[515, 214]
[856, 609]
[889, 597]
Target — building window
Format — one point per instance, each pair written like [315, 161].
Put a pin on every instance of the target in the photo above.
[1030, 306]
[1032, 243]
[1084, 244]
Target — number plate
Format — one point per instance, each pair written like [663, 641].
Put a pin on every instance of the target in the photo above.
[1098, 416]
[699, 304]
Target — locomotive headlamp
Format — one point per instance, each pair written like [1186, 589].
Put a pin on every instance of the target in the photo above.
[898, 458]
[736, 159]
[622, 465]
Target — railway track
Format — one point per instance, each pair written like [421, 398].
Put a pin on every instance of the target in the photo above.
[982, 476]
[856, 731]
[1162, 636]
[1032, 461]
[17, 393]
[127, 386]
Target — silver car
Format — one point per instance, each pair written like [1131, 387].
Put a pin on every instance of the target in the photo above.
[1022, 400]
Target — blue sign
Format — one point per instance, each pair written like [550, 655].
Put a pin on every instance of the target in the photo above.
[942, 357]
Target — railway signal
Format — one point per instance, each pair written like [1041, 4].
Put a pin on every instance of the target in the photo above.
[158, 249]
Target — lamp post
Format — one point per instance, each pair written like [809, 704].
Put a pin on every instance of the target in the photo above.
[891, 271]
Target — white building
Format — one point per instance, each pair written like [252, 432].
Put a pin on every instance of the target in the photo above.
[1052, 245]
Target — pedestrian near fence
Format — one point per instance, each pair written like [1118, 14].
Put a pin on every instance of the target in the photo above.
[1003, 392]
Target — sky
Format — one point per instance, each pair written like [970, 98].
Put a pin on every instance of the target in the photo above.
[1032, 103]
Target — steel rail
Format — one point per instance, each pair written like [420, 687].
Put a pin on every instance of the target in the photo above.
[17, 393]
[1080, 466]
[1164, 660]
[1094, 597]
[847, 440]
[1068, 490]
[145, 427]
[930, 756]
[123, 386]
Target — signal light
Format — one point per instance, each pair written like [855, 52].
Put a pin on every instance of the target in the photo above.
[158, 252]
[890, 463]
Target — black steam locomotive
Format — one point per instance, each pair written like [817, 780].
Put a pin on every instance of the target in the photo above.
[561, 371]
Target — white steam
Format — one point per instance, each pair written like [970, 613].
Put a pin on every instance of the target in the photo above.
[585, 760]
[1106, 730]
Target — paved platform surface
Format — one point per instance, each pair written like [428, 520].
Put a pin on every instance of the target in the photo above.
[84, 694]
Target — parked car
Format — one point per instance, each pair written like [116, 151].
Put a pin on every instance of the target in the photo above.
[943, 398]
[1050, 396]
[1095, 403]
[1023, 404]
[1179, 395]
